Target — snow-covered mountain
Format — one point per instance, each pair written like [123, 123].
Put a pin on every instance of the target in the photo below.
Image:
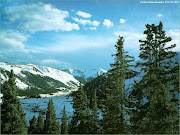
[86, 73]
[35, 79]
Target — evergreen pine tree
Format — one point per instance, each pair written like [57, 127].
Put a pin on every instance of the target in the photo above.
[81, 116]
[51, 126]
[85, 124]
[12, 114]
[32, 129]
[94, 122]
[40, 124]
[160, 113]
[174, 98]
[64, 126]
[114, 111]
[73, 125]
[69, 124]
[136, 103]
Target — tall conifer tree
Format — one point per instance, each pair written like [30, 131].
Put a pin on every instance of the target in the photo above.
[137, 112]
[12, 114]
[94, 122]
[40, 124]
[64, 126]
[80, 120]
[32, 129]
[158, 109]
[73, 125]
[51, 126]
[114, 111]
[174, 94]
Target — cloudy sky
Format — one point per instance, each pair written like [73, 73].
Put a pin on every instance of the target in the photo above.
[78, 34]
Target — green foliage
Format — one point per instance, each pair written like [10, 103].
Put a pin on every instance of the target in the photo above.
[51, 126]
[12, 114]
[94, 122]
[80, 100]
[81, 116]
[174, 98]
[160, 111]
[73, 125]
[137, 105]
[40, 124]
[85, 122]
[98, 85]
[64, 126]
[32, 129]
[114, 111]
[82, 79]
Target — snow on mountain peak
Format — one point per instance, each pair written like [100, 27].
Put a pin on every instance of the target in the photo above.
[29, 64]
[56, 74]
[71, 70]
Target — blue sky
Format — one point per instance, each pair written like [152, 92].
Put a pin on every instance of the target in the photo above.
[78, 34]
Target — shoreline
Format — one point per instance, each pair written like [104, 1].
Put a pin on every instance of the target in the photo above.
[58, 93]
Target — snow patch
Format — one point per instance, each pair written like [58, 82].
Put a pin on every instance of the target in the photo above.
[56, 74]
[71, 70]
[22, 97]
[1, 95]
[22, 75]
[62, 88]
[3, 78]
[59, 93]
[21, 84]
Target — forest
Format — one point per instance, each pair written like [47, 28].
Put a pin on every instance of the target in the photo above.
[149, 106]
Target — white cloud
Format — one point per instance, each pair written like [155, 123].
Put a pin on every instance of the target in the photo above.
[108, 23]
[159, 15]
[175, 35]
[40, 17]
[86, 22]
[50, 61]
[130, 35]
[35, 51]
[122, 20]
[77, 42]
[92, 28]
[83, 14]
[55, 62]
[12, 39]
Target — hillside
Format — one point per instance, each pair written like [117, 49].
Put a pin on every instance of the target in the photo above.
[33, 80]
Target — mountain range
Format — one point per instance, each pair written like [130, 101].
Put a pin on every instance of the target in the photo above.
[32, 80]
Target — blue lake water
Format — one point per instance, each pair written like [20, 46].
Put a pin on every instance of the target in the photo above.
[32, 106]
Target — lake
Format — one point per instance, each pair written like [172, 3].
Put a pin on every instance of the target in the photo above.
[32, 106]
